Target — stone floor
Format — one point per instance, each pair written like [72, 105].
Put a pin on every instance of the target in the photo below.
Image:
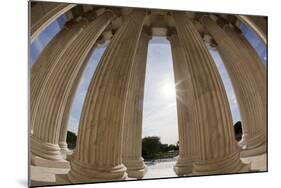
[258, 163]
[160, 170]
[164, 169]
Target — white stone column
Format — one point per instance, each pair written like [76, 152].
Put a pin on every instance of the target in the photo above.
[48, 59]
[254, 141]
[67, 110]
[98, 153]
[132, 134]
[56, 89]
[44, 13]
[248, 85]
[187, 117]
[219, 152]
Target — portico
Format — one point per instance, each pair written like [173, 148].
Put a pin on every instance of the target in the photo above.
[108, 145]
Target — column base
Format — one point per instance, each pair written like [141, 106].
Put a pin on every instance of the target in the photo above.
[184, 166]
[135, 168]
[63, 147]
[65, 152]
[227, 165]
[62, 179]
[87, 173]
[243, 142]
[39, 161]
[45, 150]
[254, 151]
[252, 146]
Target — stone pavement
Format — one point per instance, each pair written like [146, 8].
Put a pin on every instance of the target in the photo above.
[47, 176]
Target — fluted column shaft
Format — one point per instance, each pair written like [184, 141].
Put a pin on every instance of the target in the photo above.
[255, 138]
[98, 153]
[57, 87]
[132, 134]
[48, 59]
[248, 84]
[251, 58]
[187, 117]
[65, 119]
[218, 150]
[43, 14]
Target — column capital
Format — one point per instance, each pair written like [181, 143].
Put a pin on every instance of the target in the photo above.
[234, 28]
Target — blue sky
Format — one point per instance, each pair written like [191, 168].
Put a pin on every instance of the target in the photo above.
[45, 37]
[82, 89]
[255, 42]
[159, 113]
[227, 85]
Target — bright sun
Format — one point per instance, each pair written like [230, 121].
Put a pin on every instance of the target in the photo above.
[168, 90]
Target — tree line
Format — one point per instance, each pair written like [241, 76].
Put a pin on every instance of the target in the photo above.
[152, 148]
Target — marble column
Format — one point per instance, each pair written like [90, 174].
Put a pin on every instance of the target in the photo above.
[67, 110]
[186, 104]
[248, 87]
[132, 134]
[58, 86]
[254, 141]
[65, 119]
[218, 151]
[43, 14]
[98, 153]
[66, 114]
[49, 57]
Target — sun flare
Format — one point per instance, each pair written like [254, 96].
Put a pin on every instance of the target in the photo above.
[168, 90]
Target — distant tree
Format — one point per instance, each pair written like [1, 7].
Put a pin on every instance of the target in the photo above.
[164, 147]
[71, 139]
[150, 146]
[172, 147]
[238, 130]
[178, 145]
